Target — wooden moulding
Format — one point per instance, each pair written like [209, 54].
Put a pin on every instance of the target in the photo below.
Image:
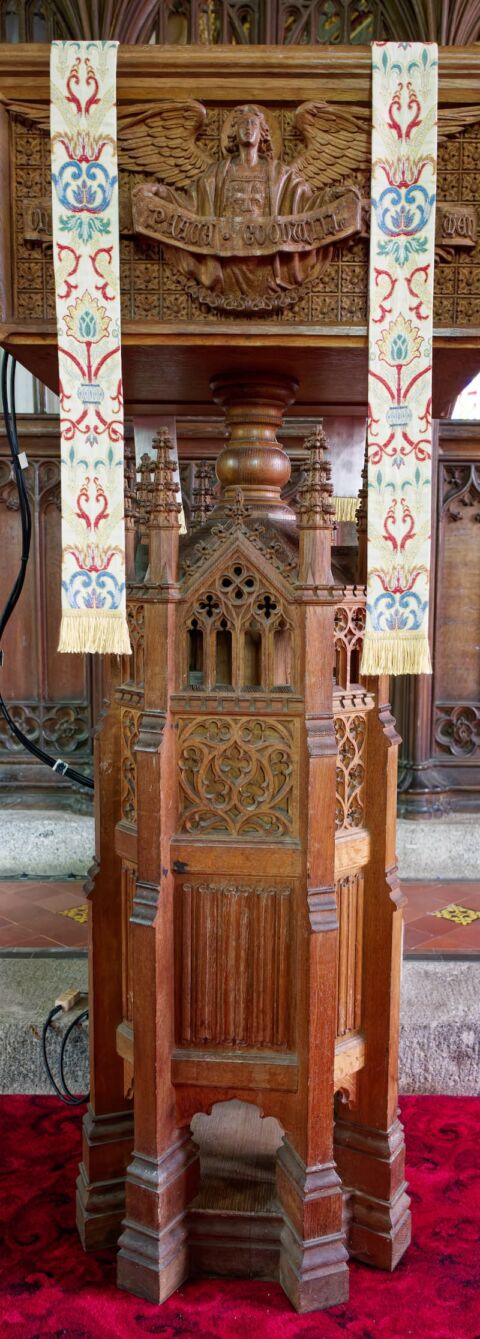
[149, 73]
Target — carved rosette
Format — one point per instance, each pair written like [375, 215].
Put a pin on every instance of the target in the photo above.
[457, 728]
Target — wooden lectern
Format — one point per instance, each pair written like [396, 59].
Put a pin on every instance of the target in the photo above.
[245, 909]
[262, 929]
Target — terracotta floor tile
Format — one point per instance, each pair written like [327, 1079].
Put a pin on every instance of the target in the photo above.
[31, 890]
[454, 943]
[413, 938]
[15, 936]
[432, 927]
[419, 904]
[468, 898]
[58, 902]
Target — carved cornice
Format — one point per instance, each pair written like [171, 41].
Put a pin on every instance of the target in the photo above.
[150, 73]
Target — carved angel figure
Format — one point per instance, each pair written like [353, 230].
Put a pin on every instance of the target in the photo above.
[249, 227]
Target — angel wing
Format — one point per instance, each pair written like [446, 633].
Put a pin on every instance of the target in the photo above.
[338, 139]
[337, 142]
[452, 120]
[164, 141]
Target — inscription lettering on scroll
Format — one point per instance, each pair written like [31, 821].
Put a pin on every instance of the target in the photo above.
[456, 225]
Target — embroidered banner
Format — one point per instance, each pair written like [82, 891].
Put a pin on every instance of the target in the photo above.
[402, 239]
[87, 288]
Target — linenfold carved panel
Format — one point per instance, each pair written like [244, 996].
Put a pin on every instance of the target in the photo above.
[129, 876]
[240, 994]
[349, 970]
[237, 777]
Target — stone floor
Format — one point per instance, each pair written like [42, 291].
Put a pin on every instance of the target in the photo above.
[439, 1041]
[45, 856]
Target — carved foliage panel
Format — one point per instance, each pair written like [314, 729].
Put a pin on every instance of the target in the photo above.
[349, 969]
[130, 727]
[129, 875]
[234, 947]
[135, 664]
[152, 287]
[350, 731]
[238, 777]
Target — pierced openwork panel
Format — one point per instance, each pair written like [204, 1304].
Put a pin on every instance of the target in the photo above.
[136, 627]
[350, 618]
[240, 994]
[349, 969]
[130, 725]
[350, 731]
[239, 634]
[237, 777]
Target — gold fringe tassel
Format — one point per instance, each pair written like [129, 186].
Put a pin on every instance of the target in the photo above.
[346, 508]
[396, 653]
[94, 630]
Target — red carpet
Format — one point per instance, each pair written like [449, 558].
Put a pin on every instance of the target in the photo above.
[51, 1290]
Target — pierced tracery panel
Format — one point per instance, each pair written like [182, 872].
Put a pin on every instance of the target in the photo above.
[239, 635]
[237, 777]
[350, 618]
[130, 725]
[350, 731]
[135, 667]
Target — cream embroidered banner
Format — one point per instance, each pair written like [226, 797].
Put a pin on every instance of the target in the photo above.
[402, 239]
[87, 287]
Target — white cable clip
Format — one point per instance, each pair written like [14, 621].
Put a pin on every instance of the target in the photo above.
[23, 460]
[60, 766]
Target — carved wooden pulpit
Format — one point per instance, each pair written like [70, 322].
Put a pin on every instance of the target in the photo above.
[245, 910]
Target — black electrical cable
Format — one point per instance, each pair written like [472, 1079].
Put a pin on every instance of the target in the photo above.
[81, 1018]
[70, 1099]
[10, 417]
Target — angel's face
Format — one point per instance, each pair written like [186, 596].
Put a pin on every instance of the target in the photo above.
[249, 129]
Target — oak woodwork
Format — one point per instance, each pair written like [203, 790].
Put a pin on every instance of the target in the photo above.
[54, 699]
[251, 855]
[302, 91]
[439, 716]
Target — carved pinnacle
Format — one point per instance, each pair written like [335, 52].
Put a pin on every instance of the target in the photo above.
[316, 510]
[203, 499]
[362, 510]
[163, 505]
